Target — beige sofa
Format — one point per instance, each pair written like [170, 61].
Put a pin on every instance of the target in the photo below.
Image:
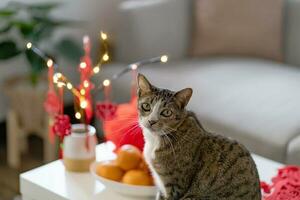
[253, 100]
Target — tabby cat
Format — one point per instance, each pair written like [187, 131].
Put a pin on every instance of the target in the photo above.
[186, 161]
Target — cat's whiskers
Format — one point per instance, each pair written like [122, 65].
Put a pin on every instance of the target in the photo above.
[172, 147]
[116, 131]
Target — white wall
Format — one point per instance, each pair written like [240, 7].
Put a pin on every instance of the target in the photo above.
[97, 15]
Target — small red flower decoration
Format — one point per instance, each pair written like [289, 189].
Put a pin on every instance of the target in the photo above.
[62, 126]
[106, 110]
[285, 186]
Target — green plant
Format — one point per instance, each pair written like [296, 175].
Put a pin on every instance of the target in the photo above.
[33, 23]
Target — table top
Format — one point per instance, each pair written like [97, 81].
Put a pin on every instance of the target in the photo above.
[53, 182]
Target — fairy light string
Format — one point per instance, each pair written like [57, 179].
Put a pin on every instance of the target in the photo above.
[80, 93]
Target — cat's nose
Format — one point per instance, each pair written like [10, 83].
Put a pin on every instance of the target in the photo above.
[152, 122]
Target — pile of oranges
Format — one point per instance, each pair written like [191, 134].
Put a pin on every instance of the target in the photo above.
[129, 167]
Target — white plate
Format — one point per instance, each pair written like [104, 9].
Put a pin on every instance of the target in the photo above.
[122, 188]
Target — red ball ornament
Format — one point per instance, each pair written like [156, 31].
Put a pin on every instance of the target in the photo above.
[62, 126]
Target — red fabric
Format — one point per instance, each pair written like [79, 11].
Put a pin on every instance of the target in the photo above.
[124, 128]
[285, 186]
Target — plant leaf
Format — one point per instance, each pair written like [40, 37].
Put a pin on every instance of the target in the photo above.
[43, 6]
[5, 28]
[25, 28]
[8, 49]
[7, 12]
[53, 22]
[69, 49]
[37, 64]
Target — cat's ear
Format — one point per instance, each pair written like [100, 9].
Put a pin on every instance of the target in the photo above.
[144, 86]
[183, 96]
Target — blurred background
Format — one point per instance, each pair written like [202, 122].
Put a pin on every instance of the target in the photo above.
[240, 57]
[58, 27]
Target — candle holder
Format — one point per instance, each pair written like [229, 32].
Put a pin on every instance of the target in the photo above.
[77, 157]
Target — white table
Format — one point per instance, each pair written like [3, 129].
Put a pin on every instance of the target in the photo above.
[52, 182]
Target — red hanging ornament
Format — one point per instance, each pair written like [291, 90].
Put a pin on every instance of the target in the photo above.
[85, 87]
[106, 110]
[52, 104]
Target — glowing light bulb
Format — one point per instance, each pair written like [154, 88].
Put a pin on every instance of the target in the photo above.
[83, 104]
[50, 63]
[106, 82]
[29, 45]
[164, 59]
[77, 115]
[105, 57]
[86, 39]
[82, 65]
[60, 84]
[103, 35]
[69, 86]
[82, 92]
[134, 66]
[96, 69]
[86, 84]
[56, 77]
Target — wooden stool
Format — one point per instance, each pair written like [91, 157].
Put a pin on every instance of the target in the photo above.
[17, 140]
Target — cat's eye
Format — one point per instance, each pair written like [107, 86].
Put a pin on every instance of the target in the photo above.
[146, 107]
[166, 113]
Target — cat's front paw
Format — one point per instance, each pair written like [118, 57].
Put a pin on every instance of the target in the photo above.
[159, 196]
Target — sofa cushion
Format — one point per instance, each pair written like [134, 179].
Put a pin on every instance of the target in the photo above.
[254, 101]
[293, 151]
[235, 27]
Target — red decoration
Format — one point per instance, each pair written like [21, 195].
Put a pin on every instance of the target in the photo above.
[52, 103]
[62, 126]
[285, 186]
[106, 110]
[124, 128]
[86, 71]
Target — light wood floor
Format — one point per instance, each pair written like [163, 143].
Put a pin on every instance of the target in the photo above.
[9, 178]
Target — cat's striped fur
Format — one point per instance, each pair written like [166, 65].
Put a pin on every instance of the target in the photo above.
[187, 162]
